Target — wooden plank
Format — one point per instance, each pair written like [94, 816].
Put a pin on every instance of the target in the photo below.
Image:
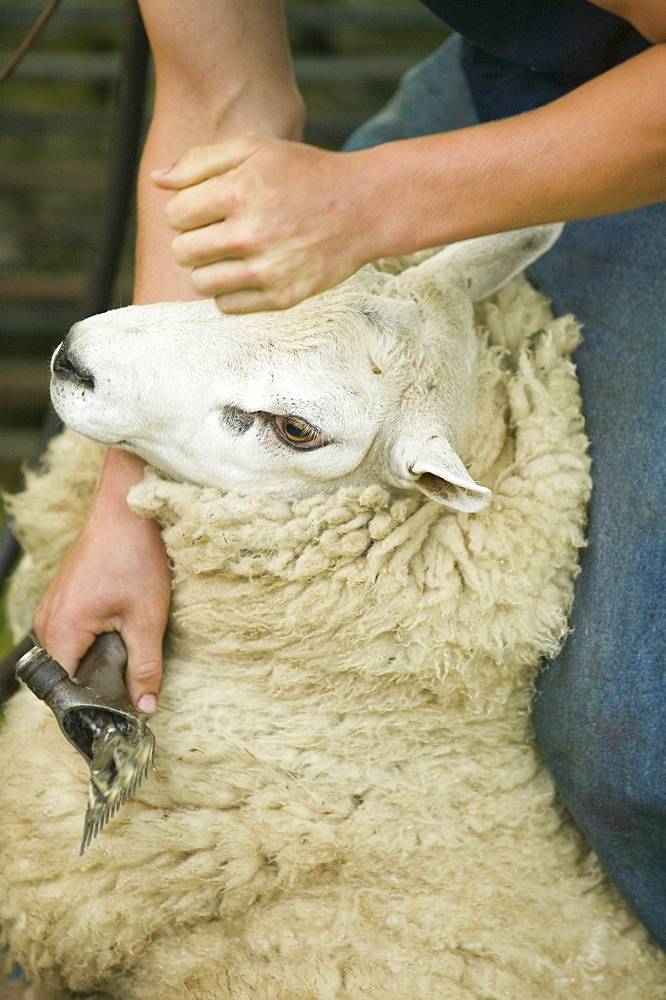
[24, 383]
[385, 17]
[52, 286]
[103, 67]
[66, 67]
[17, 445]
[42, 286]
[34, 121]
[21, 16]
[30, 322]
[54, 175]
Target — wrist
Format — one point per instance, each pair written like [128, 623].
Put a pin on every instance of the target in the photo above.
[452, 186]
[121, 471]
[412, 197]
[176, 127]
[376, 203]
[184, 117]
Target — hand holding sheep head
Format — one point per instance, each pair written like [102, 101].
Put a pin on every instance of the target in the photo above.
[372, 381]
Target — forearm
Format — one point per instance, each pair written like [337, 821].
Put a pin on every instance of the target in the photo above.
[109, 510]
[222, 69]
[599, 150]
[120, 472]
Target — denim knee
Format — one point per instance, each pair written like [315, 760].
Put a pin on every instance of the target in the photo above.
[607, 765]
[605, 744]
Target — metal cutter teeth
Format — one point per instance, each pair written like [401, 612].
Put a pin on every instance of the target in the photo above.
[96, 717]
[120, 761]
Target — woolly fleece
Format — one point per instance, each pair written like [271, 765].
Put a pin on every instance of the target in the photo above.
[347, 802]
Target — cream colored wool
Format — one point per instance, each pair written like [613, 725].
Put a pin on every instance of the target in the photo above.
[347, 802]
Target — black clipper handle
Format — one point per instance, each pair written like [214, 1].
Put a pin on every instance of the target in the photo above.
[99, 685]
[40, 673]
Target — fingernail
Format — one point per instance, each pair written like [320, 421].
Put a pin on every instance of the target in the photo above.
[147, 703]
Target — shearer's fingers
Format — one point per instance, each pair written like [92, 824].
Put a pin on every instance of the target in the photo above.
[64, 641]
[248, 301]
[201, 205]
[203, 162]
[208, 244]
[253, 285]
[224, 276]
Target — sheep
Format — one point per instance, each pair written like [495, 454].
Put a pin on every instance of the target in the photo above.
[347, 803]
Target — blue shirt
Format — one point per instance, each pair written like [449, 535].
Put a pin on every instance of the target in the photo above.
[520, 54]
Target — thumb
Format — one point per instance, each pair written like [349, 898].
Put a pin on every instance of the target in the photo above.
[144, 667]
[203, 162]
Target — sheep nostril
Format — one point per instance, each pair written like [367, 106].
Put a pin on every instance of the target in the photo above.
[68, 367]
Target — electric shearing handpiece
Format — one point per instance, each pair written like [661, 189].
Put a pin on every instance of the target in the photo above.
[95, 715]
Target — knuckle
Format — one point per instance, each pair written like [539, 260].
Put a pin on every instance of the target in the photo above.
[283, 298]
[223, 198]
[244, 146]
[268, 273]
[146, 673]
[239, 240]
[204, 280]
[261, 237]
[155, 619]
[182, 250]
[54, 631]
[173, 212]
[151, 620]
[252, 273]
[193, 155]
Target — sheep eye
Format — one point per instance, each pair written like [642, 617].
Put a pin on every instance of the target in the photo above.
[298, 432]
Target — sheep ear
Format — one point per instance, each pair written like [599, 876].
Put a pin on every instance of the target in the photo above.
[488, 262]
[433, 467]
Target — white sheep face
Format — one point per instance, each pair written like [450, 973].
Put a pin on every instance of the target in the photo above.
[372, 381]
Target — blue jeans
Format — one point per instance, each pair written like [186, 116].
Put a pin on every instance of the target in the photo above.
[600, 708]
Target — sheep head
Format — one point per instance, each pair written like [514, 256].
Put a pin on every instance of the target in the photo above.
[372, 381]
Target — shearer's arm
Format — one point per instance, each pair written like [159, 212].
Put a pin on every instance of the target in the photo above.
[263, 224]
[222, 68]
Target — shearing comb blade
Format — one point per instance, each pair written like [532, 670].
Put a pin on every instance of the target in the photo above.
[95, 715]
[121, 757]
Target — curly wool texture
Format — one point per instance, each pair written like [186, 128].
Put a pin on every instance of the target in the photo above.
[347, 802]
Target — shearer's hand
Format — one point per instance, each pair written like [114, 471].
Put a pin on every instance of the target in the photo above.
[264, 223]
[115, 577]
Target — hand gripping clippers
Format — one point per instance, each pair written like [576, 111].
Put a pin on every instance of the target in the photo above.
[95, 715]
